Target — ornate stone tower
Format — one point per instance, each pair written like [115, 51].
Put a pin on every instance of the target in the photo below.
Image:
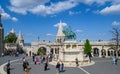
[60, 37]
[20, 39]
[1, 37]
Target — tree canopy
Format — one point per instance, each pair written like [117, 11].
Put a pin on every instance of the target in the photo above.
[87, 47]
[10, 38]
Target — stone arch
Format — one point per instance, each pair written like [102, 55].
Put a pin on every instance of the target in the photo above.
[51, 51]
[119, 52]
[45, 47]
[96, 52]
[110, 52]
[103, 52]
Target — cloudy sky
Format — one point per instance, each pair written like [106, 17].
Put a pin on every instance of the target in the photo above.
[90, 19]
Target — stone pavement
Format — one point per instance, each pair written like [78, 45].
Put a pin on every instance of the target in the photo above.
[101, 66]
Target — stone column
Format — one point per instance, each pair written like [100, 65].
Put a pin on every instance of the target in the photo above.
[100, 53]
[106, 53]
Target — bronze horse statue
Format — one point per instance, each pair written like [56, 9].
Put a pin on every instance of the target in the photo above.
[69, 34]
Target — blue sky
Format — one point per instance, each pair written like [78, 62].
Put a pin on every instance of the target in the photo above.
[90, 19]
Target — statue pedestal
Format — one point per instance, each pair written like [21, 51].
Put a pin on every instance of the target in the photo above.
[71, 51]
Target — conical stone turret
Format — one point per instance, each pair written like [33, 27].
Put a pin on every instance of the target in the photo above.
[60, 37]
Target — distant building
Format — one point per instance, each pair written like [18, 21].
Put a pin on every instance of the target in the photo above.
[1, 37]
[15, 47]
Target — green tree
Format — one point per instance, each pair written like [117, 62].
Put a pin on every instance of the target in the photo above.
[40, 51]
[10, 38]
[87, 47]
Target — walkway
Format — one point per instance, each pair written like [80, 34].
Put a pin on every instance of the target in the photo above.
[102, 66]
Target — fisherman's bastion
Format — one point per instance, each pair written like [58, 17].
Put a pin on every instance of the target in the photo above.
[61, 49]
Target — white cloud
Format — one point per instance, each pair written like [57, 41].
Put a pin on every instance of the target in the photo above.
[39, 7]
[115, 23]
[114, 9]
[63, 24]
[49, 34]
[89, 2]
[71, 12]
[6, 16]
[14, 19]
[78, 31]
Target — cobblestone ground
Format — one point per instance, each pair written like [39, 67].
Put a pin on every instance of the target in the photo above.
[101, 66]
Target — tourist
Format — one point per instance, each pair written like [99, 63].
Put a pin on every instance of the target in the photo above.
[90, 56]
[76, 60]
[33, 57]
[25, 65]
[58, 67]
[8, 67]
[116, 60]
[62, 67]
[113, 60]
[45, 66]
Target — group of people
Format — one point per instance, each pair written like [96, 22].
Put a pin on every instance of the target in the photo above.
[60, 67]
[41, 59]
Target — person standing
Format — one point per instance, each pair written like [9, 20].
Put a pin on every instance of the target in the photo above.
[33, 57]
[58, 67]
[116, 60]
[45, 66]
[76, 60]
[8, 67]
[62, 67]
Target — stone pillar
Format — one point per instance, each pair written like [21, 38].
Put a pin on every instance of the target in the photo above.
[106, 53]
[100, 53]
[70, 46]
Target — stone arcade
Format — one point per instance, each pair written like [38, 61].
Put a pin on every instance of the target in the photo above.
[69, 50]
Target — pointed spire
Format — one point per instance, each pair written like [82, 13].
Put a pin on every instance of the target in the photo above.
[20, 37]
[60, 29]
[12, 31]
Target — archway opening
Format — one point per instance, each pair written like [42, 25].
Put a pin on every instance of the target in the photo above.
[96, 52]
[41, 51]
[103, 53]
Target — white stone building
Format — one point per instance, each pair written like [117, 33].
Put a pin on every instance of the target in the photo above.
[69, 50]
